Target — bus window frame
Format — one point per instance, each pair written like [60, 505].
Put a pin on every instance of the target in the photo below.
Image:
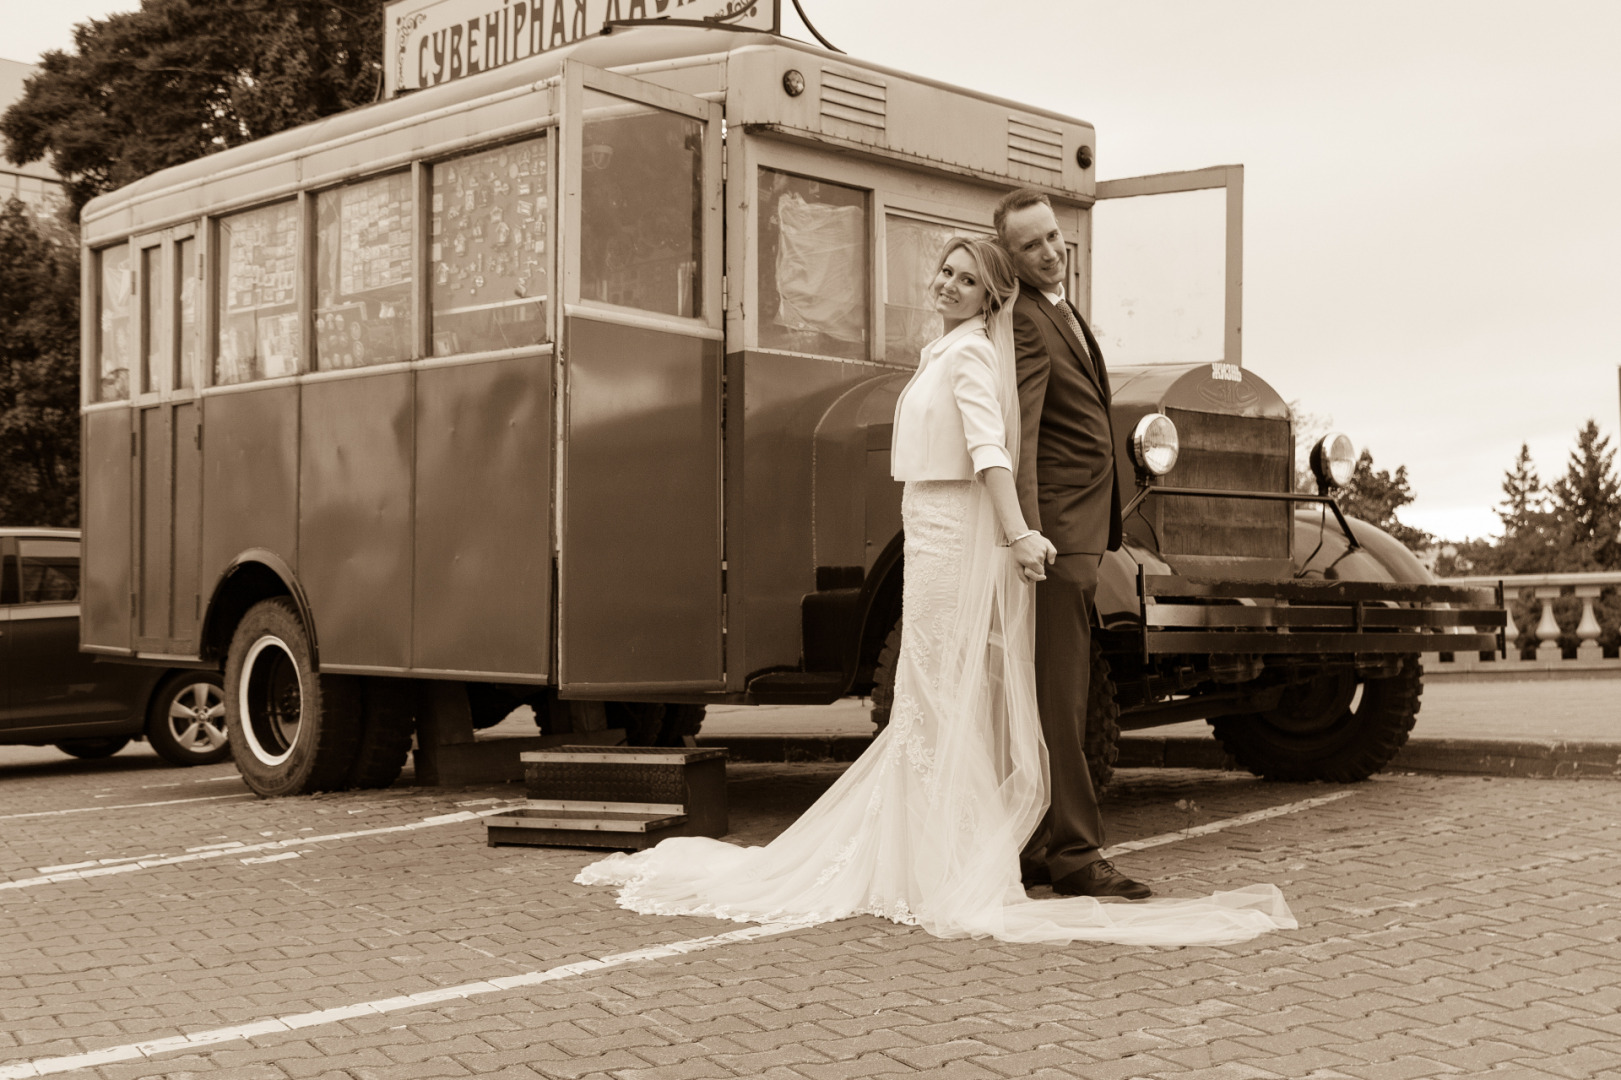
[577, 78]
[303, 287]
[310, 240]
[90, 326]
[549, 129]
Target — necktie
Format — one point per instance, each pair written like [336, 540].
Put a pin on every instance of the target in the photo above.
[1075, 325]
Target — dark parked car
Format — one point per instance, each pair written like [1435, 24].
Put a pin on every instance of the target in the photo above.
[52, 694]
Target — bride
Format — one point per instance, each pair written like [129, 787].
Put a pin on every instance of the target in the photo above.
[925, 828]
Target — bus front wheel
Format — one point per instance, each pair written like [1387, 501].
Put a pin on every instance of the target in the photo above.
[292, 730]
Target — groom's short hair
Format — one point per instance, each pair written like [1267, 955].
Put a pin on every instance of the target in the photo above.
[1015, 200]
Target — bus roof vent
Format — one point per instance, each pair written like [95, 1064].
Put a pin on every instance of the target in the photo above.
[853, 105]
[1035, 146]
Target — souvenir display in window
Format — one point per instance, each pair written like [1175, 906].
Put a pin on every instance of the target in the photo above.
[258, 320]
[363, 273]
[487, 251]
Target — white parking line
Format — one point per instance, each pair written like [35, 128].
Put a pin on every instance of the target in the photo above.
[137, 1051]
[124, 806]
[241, 849]
[1225, 823]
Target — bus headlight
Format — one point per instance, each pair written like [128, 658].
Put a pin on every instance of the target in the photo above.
[1154, 444]
[1333, 460]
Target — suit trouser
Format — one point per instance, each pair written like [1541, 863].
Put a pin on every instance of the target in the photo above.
[1072, 832]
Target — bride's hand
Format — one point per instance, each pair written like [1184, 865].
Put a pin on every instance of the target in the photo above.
[1033, 553]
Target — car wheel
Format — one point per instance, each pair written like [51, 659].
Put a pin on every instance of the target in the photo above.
[93, 748]
[292, 731]
[1319, 731]
[186, 721]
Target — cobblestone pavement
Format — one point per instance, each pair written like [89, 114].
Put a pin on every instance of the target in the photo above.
[1449, 927]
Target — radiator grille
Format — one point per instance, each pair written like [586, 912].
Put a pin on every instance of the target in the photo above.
[1035, 146]
[1227, 453]
[849, 100]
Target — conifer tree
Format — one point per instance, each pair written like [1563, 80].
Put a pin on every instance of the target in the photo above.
[1587, 501]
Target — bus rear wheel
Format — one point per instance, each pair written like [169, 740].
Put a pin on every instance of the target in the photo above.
[292, 730]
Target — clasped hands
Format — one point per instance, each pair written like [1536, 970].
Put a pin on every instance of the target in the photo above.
[1033, 552]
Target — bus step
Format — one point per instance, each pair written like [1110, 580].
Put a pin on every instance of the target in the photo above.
[627, 797]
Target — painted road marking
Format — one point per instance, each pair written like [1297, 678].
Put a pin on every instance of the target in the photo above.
[136, 1051]
[152, 1048]
[242, 849]
[124, 806]
[1225, 823]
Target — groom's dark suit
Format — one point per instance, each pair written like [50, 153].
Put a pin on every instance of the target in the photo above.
[1067, 489]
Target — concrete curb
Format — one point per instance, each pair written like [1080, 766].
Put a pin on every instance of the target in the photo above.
[1530, 758]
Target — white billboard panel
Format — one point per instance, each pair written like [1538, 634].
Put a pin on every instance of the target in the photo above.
[428, 42]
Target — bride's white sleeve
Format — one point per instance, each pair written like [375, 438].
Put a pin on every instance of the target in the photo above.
[974, 385]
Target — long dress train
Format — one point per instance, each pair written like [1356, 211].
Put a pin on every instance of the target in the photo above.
[925, 828]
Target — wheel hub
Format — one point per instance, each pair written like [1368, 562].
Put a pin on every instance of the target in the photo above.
[272, 700]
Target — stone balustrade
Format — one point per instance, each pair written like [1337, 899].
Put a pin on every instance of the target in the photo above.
[1544, 626]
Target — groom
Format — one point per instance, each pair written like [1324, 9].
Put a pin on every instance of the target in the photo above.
[1067, 490]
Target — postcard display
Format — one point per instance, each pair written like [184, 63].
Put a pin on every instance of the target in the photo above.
[363, 274]
[489, 250]
[259, 329]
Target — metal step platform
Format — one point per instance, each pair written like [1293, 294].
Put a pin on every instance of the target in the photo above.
[624, 797]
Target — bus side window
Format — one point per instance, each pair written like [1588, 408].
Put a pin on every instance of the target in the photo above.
[487, 252]
[641, 210]
[363, 273]
[813, 266]
[912, 250]
[115, 347]
[258, 295]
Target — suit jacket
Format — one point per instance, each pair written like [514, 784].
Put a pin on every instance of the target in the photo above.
[1066, 480]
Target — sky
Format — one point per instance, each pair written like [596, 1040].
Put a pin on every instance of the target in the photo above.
[1432, 249]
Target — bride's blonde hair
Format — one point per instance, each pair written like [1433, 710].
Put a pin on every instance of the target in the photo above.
[995, 270]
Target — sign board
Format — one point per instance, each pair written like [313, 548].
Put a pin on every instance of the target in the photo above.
[428, 42]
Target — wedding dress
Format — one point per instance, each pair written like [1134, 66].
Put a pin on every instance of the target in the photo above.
[925, 828]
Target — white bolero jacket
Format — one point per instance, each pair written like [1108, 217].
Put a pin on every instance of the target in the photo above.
[948, 421]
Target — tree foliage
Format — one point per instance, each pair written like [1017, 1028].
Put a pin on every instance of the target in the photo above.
[1375, 497]
[39, 369]
[178, 79]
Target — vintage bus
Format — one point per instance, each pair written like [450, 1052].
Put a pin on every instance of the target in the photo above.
[571, 384]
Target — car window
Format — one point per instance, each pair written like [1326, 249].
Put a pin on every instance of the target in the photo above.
[50, 571]
[8, 580]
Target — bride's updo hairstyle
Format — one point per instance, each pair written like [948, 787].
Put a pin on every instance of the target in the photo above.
[995, 270]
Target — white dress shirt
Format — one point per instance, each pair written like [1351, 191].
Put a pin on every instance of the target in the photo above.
[948, 420]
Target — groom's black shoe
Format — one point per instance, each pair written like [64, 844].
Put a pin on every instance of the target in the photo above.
[1100, 878]
[1034, 874]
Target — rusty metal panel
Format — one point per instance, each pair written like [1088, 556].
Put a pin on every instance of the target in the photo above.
[152, 530]
[772, 564]
[354, 516]
[106, 574]
[250, 477]
[641, 544]
[482, 601]
[186, 543]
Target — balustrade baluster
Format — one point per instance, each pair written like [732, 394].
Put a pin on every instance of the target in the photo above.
[1588, 630]
[1548, 628]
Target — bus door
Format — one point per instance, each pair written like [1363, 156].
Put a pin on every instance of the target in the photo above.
[639, 485]
[167, 442]
[1167, 267]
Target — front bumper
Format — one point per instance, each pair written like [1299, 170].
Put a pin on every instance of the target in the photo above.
[1182, 616]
